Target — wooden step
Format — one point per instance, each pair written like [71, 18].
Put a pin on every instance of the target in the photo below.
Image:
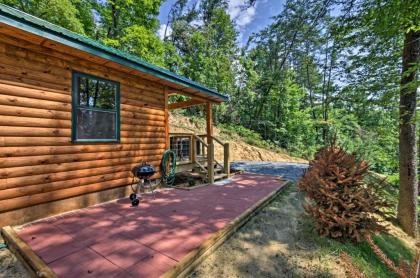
[195, 175]
[220, 176]
[218, 170]
[203, 175]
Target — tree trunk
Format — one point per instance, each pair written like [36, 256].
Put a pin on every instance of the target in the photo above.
[113, 29]
[407, 205]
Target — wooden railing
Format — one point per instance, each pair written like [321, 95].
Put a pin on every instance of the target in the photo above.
[195, 150]
[225, 148]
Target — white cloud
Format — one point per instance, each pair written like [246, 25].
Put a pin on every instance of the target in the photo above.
[197, 22]
[237, 12]
[246, 18]
[161, 31]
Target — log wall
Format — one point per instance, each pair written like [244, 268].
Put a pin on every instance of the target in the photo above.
[38, 162]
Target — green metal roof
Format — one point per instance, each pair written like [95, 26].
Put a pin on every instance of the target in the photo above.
[37, 26]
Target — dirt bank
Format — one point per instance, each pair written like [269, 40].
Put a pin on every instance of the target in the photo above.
[239, 150]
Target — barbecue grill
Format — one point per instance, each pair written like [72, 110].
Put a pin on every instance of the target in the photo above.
[143, 173]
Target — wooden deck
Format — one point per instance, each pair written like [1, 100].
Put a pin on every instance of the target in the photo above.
[117, 240]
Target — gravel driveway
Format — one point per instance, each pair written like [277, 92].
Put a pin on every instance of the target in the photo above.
[290, 171]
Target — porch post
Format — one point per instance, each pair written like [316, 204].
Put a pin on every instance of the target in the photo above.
[167, 145]
[226, 157]
[210, 151]
[193, 149]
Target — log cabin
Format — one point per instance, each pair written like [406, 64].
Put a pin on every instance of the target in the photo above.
[76, 116]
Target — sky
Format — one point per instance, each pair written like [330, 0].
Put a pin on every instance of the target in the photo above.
[248, 21]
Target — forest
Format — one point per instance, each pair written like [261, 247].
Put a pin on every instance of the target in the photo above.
[323, 68]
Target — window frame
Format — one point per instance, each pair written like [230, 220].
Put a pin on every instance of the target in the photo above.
[76, 106]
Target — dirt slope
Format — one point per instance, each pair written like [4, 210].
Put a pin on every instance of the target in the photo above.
[239, 150]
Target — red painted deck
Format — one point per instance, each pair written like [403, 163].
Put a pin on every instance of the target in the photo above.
[117, 240]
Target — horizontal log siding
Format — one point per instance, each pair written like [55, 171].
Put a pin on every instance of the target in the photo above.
[38, 161]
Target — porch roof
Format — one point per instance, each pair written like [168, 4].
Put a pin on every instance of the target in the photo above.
[49, 31]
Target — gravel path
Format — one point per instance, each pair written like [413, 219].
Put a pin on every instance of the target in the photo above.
[290, 171]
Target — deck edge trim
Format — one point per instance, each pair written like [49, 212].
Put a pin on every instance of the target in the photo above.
[34, 264]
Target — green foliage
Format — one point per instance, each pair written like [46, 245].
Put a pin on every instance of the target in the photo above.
[61, 12]
[85, 16]
[143, 42]
[207, 51]
[296, 130]
[312, 75]
[390, 191]
[374, 139]
[131, 26]
[394, 179]
[116, 15]
[125, 24]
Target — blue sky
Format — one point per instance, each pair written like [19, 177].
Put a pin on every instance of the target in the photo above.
[249, 21]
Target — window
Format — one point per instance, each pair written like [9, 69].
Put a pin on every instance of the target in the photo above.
[96, 109]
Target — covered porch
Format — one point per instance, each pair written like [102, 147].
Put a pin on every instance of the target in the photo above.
[196, 152]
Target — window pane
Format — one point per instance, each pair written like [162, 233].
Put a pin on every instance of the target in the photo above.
[96, 93]
[181, 147]
[96, 125]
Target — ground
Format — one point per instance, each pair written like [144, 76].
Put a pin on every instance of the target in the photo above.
[9, 265]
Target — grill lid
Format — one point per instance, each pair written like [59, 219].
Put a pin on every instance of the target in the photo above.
[144, 171]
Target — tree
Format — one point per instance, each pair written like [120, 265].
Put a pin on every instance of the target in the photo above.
[64, 13]
[132, 26]
[116, 15]
[204, 36]
[407, 205]
[398, 21]
[402, 19]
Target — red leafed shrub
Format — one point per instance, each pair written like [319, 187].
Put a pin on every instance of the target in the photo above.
[337, 197]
